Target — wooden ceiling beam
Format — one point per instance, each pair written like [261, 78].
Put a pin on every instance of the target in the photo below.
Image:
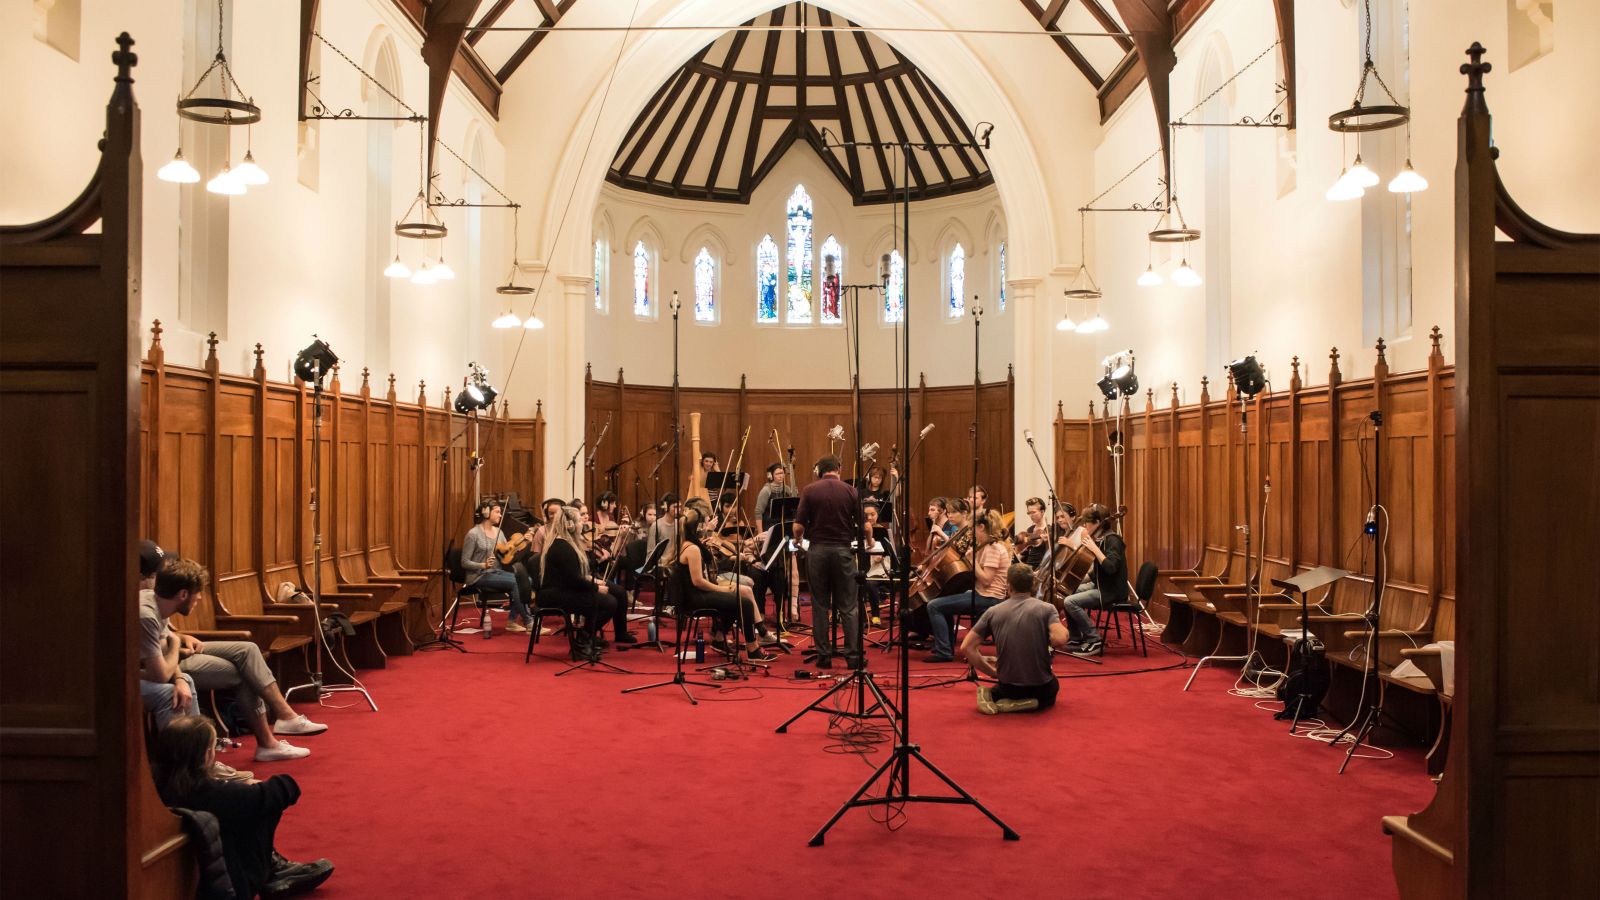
[830, 49]
[443, 27]
[658, 115]
[922, 129]
[1108, 23]
[677, 127]
[951, 134]
[885, 171]
[552, 15]
[769, 62]
[488, 20]
[726, 138]
[735, 47]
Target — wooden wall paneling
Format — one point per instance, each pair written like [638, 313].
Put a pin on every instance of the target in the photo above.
[1291, 494]
[258, 484]
[1329, 529]
[154, 383]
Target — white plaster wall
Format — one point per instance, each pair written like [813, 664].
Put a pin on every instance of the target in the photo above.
[1296, 258]
[796, 356]
[295, 255]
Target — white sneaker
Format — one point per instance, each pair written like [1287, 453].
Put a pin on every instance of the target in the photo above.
[297, 725]
[284, 750]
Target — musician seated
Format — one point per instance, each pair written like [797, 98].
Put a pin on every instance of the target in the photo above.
[992, 558]
[1107, 585]
[1031, 541]
[1024, 629]
[599, 549]
[875, 566]
[732, 605]
[484, 570]
[939, 525]
[567, 584]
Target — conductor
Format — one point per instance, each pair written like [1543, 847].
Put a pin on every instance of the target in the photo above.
[830, 517]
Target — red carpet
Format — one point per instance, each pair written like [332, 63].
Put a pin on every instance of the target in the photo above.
[482, 777]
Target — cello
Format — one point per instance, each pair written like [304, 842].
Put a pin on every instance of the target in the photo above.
[932, 578]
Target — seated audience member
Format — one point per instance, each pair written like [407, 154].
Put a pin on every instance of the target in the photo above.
[1024, 629]
[248, 814]
[169, 699]
[215, 665]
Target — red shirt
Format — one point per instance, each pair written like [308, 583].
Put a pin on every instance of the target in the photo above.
[830, 511]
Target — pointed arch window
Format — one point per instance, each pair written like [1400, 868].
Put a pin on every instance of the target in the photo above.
[894, 299]
[799, 257]
[705, 287]
[958, 282]
[1002, 276]
[832, 262]
[767, 280]
[599, 275]
[641, 280]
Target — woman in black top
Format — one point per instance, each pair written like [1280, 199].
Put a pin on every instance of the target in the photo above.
[247, 813]
[567, 584]
[695, 591]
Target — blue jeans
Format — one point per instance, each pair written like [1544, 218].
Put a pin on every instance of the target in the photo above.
[157, 698]
[942, 608]
[1085, 598]
[499, 581]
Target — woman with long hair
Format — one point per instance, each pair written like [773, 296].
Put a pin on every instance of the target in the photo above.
[248, 813]
[695, 591]
[568, 584]
[991, 559]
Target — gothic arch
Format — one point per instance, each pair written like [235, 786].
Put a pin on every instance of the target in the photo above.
[709, 236]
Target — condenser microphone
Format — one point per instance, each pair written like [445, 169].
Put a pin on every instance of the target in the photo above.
[883, 271]
[1027, 435]
[927, 428]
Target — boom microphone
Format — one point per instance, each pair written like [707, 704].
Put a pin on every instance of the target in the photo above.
[1027, 435]
[925, 431]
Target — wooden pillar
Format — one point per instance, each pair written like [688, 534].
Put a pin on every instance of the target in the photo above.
[1330, 535]
[258, 491]
[1175, 555]
[427, 517]
[1206, 489]
[153, 501]
[1232, 475]
[1291, 474]
[1436, 413]
[208, 494]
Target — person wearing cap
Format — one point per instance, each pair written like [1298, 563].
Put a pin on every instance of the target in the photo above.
[166, 700]
[164, 654]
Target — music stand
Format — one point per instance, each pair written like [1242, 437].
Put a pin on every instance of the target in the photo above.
[718, 482]
[781, 511]
[652, 565]
[1304, 584]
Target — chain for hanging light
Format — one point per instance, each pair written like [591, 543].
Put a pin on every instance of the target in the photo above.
[222, 110]
[511, 288]
[428, 226]
[1083, 284]
[1359, 119]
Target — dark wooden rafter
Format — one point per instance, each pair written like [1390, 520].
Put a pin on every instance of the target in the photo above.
[1284, 10]
[489, 19]
[444, 25]
[465, 62]
[1150, 23]
[308, 23]
[1108, 23]
[552, 13]
[883, 98]
[1047, 17]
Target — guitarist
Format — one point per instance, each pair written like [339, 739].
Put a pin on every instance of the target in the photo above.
[1107, 585]
[483, 569]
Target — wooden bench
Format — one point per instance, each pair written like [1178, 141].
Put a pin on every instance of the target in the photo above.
[1200, 596]
[370, 606]
[280, 630]
[1171, 598]
[1235, 608]
[421, 611]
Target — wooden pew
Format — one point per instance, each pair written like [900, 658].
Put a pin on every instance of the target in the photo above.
[374, 612]
[380, 568]
[280, 630]
[1172, 594]
[1236, 610]
[1200, 595]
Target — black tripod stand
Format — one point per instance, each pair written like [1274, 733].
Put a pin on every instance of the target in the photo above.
[898, 764]
[1361, 726]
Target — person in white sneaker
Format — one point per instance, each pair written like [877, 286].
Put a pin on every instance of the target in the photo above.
[214, 665]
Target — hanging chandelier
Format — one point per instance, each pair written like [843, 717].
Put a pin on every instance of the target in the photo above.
[1083, 284]
[231, 107]
[1359, 119]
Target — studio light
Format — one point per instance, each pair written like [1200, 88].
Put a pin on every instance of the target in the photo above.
[1184, 276]
[226, 183]
[465, 404]
[1408, 181]
[478, 393]
[178, 171]
[533, 323]
[397, 269]
[1119, 379]
[507, 320]
[1151, 278]
[313, 363]
[1248, 376]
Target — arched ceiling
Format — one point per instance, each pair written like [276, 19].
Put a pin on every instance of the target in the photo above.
[722, 121]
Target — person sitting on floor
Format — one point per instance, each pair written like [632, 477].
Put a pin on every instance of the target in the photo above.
[248, 814]
[214, 665]
[1024, 629]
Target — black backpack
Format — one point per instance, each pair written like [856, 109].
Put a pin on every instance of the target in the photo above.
[1307, 683]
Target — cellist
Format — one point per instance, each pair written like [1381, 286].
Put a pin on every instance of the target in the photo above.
[1107, 584]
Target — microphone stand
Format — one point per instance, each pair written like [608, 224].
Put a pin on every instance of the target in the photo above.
[1050, 549]
[445, 637]
[594, 451]
[572, 466]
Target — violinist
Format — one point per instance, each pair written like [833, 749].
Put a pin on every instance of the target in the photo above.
[731, 604]
[605, 512]
[874, 563]
[991, 559]
[598, 550]
[777, 486]
[1108, 584]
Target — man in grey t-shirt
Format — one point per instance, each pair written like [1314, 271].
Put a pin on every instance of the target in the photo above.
[1024, 629]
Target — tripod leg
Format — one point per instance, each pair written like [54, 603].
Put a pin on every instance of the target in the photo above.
[822, 833]
[1005, 830]
[812, 706]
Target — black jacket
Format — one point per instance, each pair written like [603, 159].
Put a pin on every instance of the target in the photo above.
[248, 814]
[1111, 576]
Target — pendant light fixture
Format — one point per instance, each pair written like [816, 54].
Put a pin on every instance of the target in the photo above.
[1184, 276]
[1066, 323]
[442, 270]
[511, 288]
[248, 172]
[534, 323]
[423, 275]
[397, 269]
[508, 319]
[1150, 277]
[1359, 119]
[1083, 284]
[232, 107]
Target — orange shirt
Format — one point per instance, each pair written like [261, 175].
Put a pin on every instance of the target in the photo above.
[993, 560]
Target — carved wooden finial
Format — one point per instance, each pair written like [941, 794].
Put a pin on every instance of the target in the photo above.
[124, 58]
[391, 382]
[1294, 373]
[1011, 371]
[1436, 336]
[364, 374]
[422, 393]
[211, 346]
[1061, 412]
[1380, 347]
[922, 379]
[259, 354]
[155, 334]
[588, 370]
[505, 407]
[1174, 393]
[1476, 69]
[1091, 409]
[538, 409]
[1149, 397]
[741, 381]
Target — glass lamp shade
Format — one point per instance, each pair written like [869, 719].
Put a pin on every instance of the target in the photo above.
[423, 275]
[1408, 181]
[1066, 324]
[226, 183]
[442, 271]
[534, 323]
[509, 320]
[249, 173]
[1085, 327]
[1345, 188]
[397, 269]
[1151, 278]
[1185, 276]
[178, 171]
[1095, 325]
[1361, 175]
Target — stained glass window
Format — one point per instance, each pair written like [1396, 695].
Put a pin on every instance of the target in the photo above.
[641, 280]
[767, 280]
[799, 256]
[894, 300]
[599, 273]
[705, 276]
[958, 282]
[1002, 276]
[832, 261]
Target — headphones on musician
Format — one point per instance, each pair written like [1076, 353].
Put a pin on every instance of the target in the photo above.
[482, 512]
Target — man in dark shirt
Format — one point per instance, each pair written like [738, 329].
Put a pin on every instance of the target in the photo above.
[1024, 629]
[830, 517]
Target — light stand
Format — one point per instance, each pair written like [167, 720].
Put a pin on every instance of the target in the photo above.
[445, 637]
[897, 767]
[677, 411]
[1361, 726]
[314, 362]
[1248, 380]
